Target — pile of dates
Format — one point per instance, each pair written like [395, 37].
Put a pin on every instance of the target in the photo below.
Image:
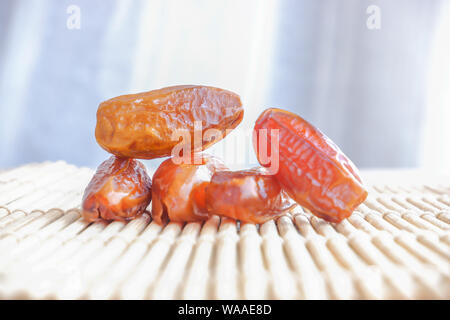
[180, 122]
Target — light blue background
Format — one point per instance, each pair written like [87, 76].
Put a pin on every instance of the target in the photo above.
[365, 89]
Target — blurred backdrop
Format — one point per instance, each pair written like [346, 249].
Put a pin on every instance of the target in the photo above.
[372, 75]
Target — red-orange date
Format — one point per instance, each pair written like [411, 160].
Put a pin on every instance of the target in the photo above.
[151, 124]
[119, 190]
[178, 190]
[312, 169]
[248, 195]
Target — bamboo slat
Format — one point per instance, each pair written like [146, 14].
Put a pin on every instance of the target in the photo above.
[396, 245]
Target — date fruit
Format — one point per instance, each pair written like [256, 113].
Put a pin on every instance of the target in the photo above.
[312, 169]
[119, 190]
[178, 190]
[147, 125]
[248, 195]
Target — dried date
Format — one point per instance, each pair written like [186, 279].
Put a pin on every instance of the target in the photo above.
[149, 125]
[248, 195]
[178, 190]
[119, 190]
[312, 169]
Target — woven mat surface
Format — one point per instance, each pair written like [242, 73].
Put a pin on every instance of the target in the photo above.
[395, 246]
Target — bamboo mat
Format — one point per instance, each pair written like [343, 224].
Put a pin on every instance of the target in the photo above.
[395, 246]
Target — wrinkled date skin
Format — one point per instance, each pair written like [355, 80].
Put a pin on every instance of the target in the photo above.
[178, 190]
[248, 195]
[312, 169]
[119, 190]
[142, 125]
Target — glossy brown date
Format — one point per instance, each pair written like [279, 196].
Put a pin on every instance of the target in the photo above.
[312, 169]
[178, 190]
[119, 190]
[147, 125]
[248, 195]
